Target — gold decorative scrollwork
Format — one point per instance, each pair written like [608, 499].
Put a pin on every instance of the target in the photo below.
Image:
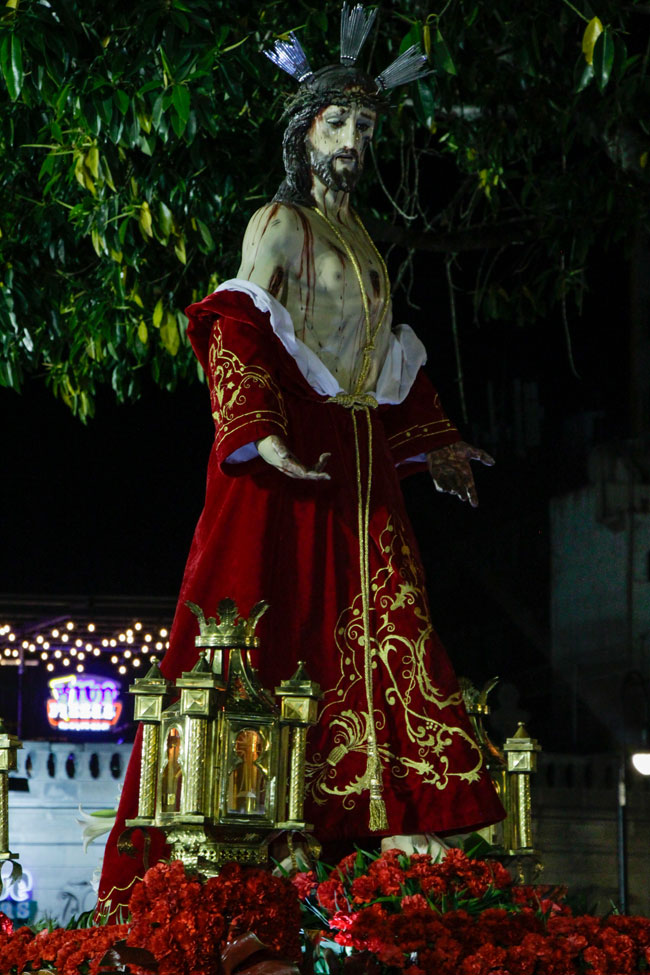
[231, 380]
[404, 687]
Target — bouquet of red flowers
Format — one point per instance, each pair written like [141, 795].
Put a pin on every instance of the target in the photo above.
[396, 914]
[387, 915]
[185, 924]
[67, 952]
[178, 926]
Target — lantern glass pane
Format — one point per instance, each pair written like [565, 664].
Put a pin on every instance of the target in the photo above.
[248, 779]
[171, 777]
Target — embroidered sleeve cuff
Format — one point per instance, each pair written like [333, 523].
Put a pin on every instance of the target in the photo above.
[233, 435]
[420, 439]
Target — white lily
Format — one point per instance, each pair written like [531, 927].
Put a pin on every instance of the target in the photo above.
[95, 824]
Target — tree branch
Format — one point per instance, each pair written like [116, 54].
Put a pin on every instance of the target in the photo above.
[480, 237]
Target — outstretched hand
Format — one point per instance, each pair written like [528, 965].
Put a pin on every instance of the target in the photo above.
[276, 453]
[451, 471]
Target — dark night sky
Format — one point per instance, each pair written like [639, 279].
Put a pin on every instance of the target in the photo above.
[104, 508]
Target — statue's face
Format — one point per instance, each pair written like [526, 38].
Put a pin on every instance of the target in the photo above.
[336, 143]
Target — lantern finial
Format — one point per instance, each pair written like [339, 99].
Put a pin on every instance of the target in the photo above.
[232, 630]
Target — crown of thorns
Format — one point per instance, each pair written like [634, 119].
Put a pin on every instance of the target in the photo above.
[356, 24]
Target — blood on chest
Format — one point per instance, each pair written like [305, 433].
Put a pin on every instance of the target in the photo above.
[336, 273]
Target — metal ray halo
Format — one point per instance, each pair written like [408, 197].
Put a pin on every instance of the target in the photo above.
[289, 56]
[409, 66]
[356, 24]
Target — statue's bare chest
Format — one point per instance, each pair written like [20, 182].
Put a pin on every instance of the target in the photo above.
[337, 274]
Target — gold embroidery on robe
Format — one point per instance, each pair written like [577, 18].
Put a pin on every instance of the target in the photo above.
[230, 379]
[409, 689]
[434, 428]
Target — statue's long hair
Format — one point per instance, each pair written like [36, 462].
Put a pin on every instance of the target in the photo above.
[333, 85]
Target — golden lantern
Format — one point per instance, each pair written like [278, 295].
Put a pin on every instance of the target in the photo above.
[225, 764]
[9, 745]
[521, 753]
[510, 768]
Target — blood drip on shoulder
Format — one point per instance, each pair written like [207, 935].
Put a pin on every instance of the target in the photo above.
[307, 268]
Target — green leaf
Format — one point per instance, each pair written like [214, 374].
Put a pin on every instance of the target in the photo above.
[593, 30]
[603, 59]
[586, 76]
[413, 37]
[106, 110]
[208, 239]
[178, 124]
[165, 62]
[169, 334]
[620, 56]
[440, 55]
[144, 219]
[180, 20]
[158, 314]
[476, 846]
[181, 102]
[156, 112]
[122, 100]
[165, 219]
[11, 62]
[425, 104]
[179, 250]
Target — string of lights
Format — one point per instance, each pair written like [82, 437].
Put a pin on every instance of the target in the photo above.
[73, 645]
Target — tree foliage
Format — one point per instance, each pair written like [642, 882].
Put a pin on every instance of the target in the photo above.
[137, 139]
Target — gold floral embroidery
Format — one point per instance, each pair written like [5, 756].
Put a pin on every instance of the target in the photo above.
[411, 699]
[230, 380]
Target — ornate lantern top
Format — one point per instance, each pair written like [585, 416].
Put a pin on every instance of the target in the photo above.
[232, 630]
[521, 741]
[299, 685]
[9, 743]
[475, 700]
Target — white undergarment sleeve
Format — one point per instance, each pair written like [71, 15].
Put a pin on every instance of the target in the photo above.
[406, 354]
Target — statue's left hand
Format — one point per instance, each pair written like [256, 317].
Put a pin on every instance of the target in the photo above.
[451, 471]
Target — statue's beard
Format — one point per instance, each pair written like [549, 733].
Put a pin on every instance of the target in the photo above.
[341, 180]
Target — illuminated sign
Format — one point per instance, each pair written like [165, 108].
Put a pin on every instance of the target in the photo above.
[20, 890]
[16, 900]
[83, 702]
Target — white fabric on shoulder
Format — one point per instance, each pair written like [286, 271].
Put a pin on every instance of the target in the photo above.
[317, 375]
[406, 355]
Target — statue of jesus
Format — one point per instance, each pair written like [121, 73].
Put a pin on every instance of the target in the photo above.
[320, 405]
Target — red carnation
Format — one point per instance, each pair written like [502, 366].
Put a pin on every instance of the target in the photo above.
[414, 902]
[304, 883]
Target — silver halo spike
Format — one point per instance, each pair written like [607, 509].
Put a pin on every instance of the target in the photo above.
[289, 56]
[409, 66]
[356, 24]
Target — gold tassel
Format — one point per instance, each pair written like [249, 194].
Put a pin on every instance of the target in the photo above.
[337, 753]
[378, 817]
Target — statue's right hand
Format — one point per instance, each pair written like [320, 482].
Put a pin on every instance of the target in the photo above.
[276, 453]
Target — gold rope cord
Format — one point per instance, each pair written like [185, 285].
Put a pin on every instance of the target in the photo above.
[355, 402]
[369, 347]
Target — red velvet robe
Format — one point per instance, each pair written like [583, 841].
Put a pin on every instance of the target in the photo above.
[263, 535]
